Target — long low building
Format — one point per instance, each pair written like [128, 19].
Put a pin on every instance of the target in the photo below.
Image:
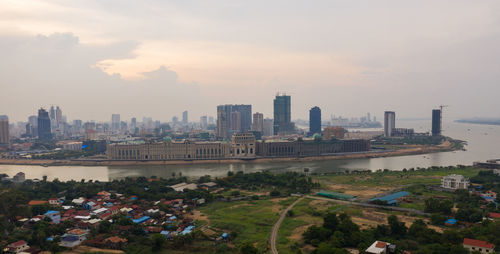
[304, 148]
[242, 146]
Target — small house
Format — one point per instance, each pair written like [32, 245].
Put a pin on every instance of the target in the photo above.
[478, 245]
[54, 216]
[17, 247]
[115, 242]
[379, 247]
[54, 202]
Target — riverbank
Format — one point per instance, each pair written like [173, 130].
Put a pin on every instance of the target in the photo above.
[447, 145]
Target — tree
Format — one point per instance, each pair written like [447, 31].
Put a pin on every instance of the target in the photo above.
[158, 241]
[248, 248]
[330, 221]
[398, 229]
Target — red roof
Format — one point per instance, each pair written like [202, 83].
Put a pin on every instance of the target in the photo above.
[495, 215]
[115, 239]
[478, 243]
[18, 243]
[37, 202]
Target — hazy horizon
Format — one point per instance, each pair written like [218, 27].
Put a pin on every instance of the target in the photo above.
[157, 59]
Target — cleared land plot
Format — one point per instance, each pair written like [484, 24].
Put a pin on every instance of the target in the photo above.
[392, 179]
[251, 220]
[305, 214]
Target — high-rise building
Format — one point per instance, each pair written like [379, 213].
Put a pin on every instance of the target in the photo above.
[44, 130]
[115, 122]
[258, 122]
[268, 128]
[245, 119]
[282, 115]
[133, 124]
[203, 122]
[32, 127]
[222, 122]
[175, 120]
[52, 114]
[235, 122]
[4, 130]
[185, 117]
[389, 123]
[211, 120]
[314, 120]
[59, 116]
[436, 122]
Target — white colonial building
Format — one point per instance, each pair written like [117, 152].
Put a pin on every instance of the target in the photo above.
[455, 182]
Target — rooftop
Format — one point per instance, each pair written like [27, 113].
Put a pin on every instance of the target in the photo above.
[478, 243]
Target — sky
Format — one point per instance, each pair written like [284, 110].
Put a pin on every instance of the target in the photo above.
[155, 58]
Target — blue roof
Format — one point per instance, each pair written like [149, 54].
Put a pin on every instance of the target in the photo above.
[70, 238]
[450, 221]
[392, 197]
[224, 235]
[51, 212]
[142, 219]
[164, 232]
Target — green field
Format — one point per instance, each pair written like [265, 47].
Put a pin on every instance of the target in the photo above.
[395, 178]
[304, 214]
[251, 220]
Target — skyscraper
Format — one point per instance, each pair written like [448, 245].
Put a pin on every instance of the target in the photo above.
[133, 124]
[235, 121]
[32, 127]
[204, 122]
[59, 116]
[268, 129]
[44, 131]
[258, 122]
[185, 117]
[52, 114]
[4, 130]
[282, 115]
[314, 120]
[245, 119]
[115, 122]
[222, 122]
[436, 122]
[389, 123]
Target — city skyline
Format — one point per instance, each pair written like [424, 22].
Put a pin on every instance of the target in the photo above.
[331, 54]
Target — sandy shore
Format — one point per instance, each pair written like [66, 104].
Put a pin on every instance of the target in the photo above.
[410, 150]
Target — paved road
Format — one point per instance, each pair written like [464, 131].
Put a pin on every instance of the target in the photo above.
[276, 227]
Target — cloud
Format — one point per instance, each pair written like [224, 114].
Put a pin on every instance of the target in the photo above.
[59, 70]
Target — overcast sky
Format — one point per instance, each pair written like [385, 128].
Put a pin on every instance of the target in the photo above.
[159, 58]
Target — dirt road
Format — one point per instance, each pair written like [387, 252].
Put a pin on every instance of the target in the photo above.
[276, 227]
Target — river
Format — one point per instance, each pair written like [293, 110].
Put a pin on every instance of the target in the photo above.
[483, 144]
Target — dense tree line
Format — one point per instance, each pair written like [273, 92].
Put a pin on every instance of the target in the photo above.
[338, 231]
[288, 182]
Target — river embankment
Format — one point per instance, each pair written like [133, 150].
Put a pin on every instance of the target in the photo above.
[447, 145]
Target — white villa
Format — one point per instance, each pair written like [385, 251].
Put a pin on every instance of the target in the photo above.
[455, 182]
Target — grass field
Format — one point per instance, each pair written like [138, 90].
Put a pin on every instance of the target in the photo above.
[305, 213]
[394, 178]
[251, 220]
